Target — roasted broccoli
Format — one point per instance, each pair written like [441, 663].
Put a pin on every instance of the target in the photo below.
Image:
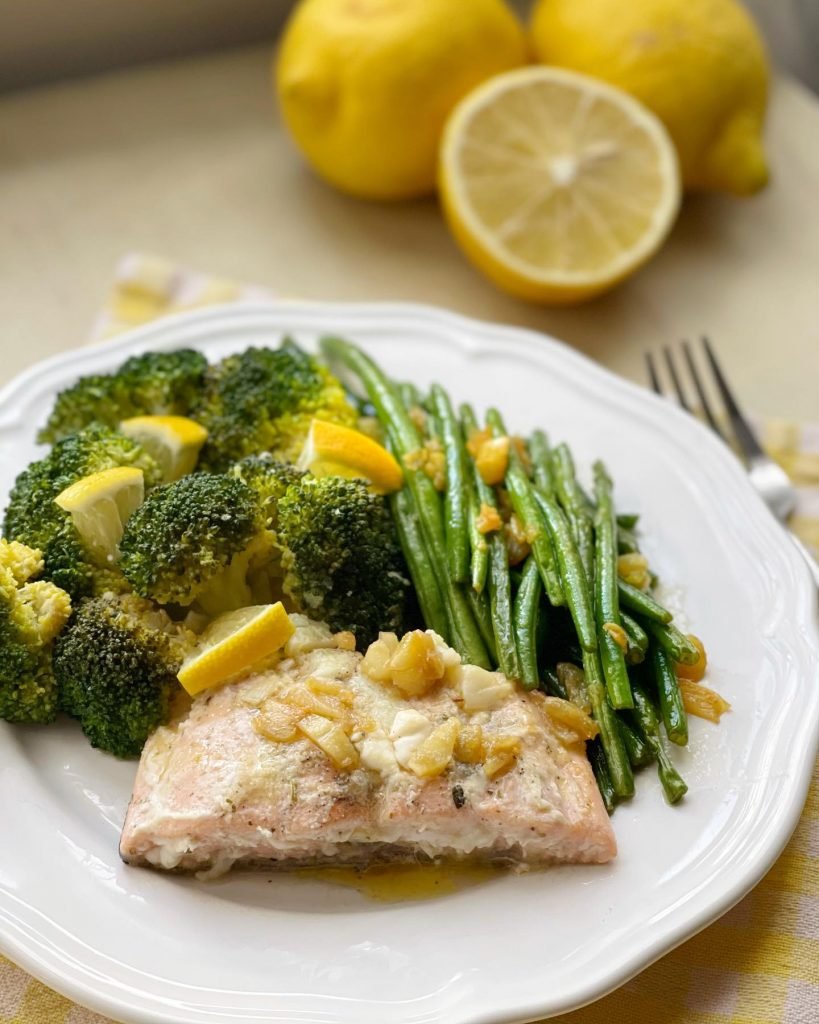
[31, 615]
[33, 518]
[341, 557]
[196, 540]
[157, 383]
[269, 479]
[115, 666]
[262, 400]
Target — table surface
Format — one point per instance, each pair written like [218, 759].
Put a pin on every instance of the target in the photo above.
[190, 160]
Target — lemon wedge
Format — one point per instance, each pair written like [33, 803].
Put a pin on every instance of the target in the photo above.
[332, 450]
[233, 643]
[174, 441]
[100, 505]
[556, 185]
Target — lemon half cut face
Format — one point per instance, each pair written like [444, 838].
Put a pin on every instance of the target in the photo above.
[556, 185]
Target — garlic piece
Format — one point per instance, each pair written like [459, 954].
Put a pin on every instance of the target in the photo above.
[378, 754]
[409, 730]
[483, 690]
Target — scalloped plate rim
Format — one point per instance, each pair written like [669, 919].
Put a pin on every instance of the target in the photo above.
[34, 952]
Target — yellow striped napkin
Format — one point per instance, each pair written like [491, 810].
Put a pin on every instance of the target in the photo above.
[759, 964]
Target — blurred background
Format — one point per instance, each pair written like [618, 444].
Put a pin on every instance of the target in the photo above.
[153, 127]
[43, 40]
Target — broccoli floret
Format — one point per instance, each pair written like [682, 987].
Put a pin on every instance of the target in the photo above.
[195, 539]
[163, 383]
[33, 518]
[263, 401]
[115, 666]
[341, 556]
[268, 479]
[157, 383]
[31, 615]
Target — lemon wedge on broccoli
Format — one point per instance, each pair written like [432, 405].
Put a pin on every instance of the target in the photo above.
[333, 450]
[100, 506]
[233, 643]
[174, 441]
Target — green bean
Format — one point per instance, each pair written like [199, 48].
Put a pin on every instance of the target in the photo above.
[610, 735]
[480, 609]
[635, 632]
[597, 759]
[627, 520]
[469, 424]
[464, 634]
[585, 501]
[672, 641]
[544, 481]
[527, 603]
[500, 584]
[500, 603]
[455, 526]
[626, 542]
[572, 575]
[645, 721]
[637, 747]
[524, 502]
[479, 558]
[673, 713]
[552, 685]
[639, 602]
[433, 608]
[544, 625]
[541, 463]
[606, 605]
[573, 680]
[410, 396]
[575, 505]
[637, 639]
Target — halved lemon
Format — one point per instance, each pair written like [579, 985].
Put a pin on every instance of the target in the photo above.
[233, 643]
[100, 505]
[556, 185]
[174, 441]
[332, 450]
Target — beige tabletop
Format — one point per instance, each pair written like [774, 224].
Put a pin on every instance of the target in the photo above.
[189, 160]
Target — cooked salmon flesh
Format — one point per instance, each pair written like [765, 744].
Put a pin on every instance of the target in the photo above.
[330, 758]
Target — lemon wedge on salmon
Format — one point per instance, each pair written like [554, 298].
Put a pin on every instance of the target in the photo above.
[333, 450]
[174, 441]
[556, 185]
[100, 505]
[233, 643]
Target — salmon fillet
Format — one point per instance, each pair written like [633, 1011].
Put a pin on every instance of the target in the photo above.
[213, 791]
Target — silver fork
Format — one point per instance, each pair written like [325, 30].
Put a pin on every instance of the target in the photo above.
[768, 478]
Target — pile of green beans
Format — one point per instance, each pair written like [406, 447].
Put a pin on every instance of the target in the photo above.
[565, 604]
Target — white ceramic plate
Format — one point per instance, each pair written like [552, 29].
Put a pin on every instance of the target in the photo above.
[145, 947]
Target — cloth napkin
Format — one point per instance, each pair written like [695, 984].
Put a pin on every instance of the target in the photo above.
[759, 964]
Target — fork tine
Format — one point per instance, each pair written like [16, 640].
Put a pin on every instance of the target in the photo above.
[675, 380]
[746, 439]
[652, 374]
[704, 402]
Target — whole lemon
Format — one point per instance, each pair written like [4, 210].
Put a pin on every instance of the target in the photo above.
[700, 65]
[365, 86]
